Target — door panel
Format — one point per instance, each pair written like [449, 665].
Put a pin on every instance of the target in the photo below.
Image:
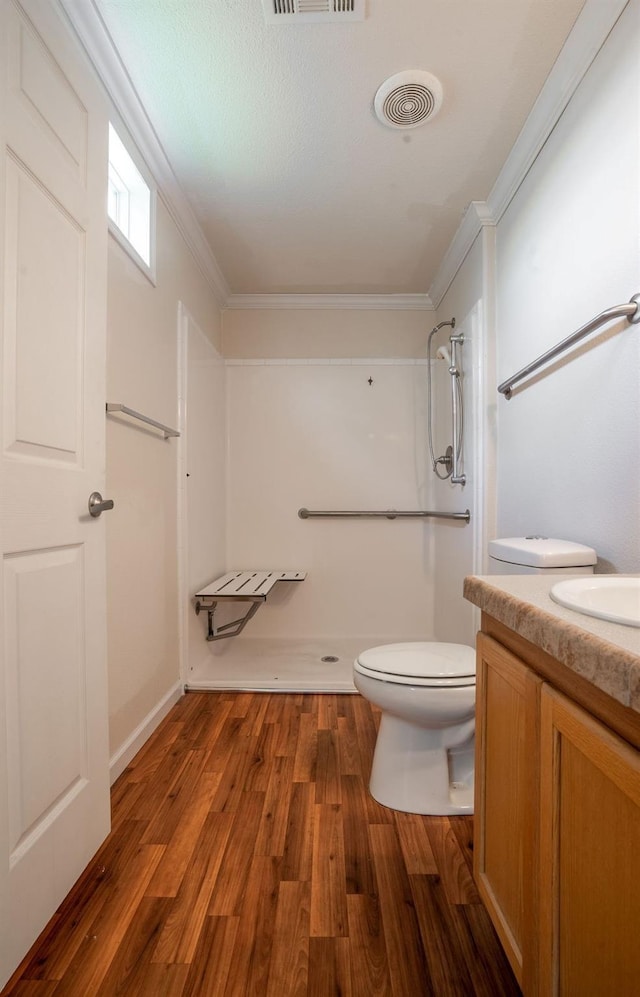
[43, 375]
[54, 787]
[46, 759]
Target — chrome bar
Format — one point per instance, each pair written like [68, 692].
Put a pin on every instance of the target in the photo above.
[457, 477]
[631, 312]
[117, 407]
[386, 514]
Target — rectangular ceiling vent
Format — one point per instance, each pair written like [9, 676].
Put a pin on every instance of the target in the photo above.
[312, 11]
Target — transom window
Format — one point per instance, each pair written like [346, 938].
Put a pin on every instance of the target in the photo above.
[129, 201]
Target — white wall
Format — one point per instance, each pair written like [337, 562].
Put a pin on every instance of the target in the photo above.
[568, 248]
[203, 481]
[142, 530]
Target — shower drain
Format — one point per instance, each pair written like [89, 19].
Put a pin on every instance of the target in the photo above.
[329, 657]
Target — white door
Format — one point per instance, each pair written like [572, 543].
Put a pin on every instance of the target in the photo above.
[54, 795]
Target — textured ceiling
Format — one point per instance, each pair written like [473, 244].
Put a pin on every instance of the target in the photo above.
[271, 132]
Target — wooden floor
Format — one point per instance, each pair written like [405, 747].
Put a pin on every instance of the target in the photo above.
[247, 858]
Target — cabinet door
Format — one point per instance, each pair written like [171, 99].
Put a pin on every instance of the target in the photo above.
[506, 799]
[589, 855]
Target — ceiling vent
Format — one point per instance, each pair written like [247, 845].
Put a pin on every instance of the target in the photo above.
[408, 99]
[310, 11]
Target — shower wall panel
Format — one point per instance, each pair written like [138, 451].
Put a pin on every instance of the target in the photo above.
[332, 435]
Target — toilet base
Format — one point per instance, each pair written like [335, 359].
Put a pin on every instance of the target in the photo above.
[416, 772]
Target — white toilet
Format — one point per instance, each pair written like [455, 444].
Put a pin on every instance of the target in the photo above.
[424, 756]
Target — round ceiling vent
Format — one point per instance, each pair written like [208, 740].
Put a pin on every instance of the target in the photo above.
[408, 99]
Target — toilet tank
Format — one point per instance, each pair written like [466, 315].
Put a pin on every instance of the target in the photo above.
[535, 555]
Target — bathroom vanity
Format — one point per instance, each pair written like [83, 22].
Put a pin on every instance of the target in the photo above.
[557, 802]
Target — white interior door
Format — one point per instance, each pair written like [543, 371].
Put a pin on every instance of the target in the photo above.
[54, 795]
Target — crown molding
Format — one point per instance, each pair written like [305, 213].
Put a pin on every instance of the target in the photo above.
[365, 302]
[589, 33]
[90, 29]
[475, 218]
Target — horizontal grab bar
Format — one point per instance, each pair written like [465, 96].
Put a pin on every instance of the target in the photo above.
[630, 311]
[117, 407]
[386, 514]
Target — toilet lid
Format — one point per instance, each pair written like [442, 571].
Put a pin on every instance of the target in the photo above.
[421, 660]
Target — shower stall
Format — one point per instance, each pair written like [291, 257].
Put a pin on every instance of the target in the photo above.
[331, 435]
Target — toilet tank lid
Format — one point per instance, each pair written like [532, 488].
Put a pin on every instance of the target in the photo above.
[421, 659]
[542, 552]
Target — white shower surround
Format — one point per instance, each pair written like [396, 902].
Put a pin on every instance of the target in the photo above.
[316, 433]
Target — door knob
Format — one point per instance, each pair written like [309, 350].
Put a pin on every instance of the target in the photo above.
[98, 505]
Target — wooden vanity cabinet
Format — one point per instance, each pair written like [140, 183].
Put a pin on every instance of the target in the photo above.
[557, 830]
[505, 838]
[589, 857]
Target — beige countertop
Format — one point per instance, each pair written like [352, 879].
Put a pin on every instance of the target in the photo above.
[606, 654]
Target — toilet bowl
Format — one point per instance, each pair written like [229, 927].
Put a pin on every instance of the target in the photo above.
[424, 756]
[423, 759]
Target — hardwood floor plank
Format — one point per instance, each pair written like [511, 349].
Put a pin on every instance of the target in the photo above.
[99, 946]
[161, 785]
[178, 940]
[185, 840]
[272, 830]
[329, 967]
[451, 861]
[181, 794]
[298, 843]
[359, 871]
[32, 988]
[254, 717]
[241, 703]
[218, 714]
[462, 827]
[288, 729]
[327, 712]
[225, 743]
[228, 893]
[416, 846]
[492, 975]
[209, 971]
[306, 756]
[328, 881]
[249, 971]
[328, 788]
[130, 966]
[151, 756]
[369, 966]
[261, 761]
[448, 969]
[289, 964]
[405, 954]
[230, 791]
[350, 757]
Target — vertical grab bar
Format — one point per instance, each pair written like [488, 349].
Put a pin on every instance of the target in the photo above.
[457, 478]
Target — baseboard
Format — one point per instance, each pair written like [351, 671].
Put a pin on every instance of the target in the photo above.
[142, 733]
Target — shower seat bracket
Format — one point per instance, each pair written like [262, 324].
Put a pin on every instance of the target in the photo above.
[239, 586]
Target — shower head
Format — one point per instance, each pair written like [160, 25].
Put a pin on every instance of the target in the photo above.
[442, 353]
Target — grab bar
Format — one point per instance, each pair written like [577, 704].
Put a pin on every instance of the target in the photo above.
[631, 311]
[117, 407]
[386, 514]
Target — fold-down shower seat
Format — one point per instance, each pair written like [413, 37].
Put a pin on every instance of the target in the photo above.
[240, 586]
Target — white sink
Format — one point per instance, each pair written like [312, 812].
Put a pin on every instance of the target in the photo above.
[609, 597]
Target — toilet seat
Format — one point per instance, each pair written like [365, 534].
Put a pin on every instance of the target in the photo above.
[420, 663]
